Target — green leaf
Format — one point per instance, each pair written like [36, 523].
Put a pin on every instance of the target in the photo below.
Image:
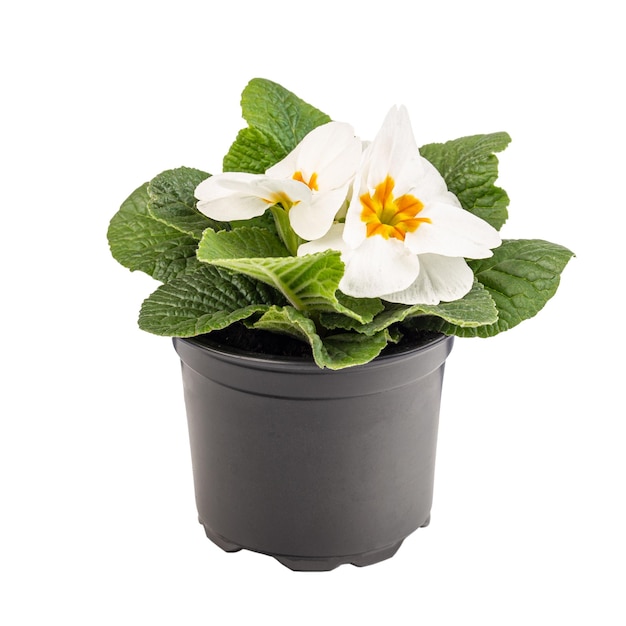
[172, 201]
[334, 351]
[521, 276]
[308, 282]
[470, 168]
[140, 242]
[281, 114]
[205, 300]
[278, 121]
[289, 321]
[476, 308]
[253, 151]
[473, 310]
[348, 349]
[240, 243]
[365, 308]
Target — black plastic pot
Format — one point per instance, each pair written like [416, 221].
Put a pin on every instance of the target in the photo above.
[314, 467]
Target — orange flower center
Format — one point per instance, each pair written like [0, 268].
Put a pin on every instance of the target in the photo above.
[311, 183]
[388, 216]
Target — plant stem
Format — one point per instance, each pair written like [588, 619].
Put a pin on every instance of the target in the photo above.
[291, 240]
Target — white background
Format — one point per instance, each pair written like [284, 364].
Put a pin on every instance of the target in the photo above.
[98, 522]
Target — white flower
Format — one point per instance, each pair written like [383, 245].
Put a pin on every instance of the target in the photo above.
[326, 160]
[311, 183]
[242, 196]
[405, 237]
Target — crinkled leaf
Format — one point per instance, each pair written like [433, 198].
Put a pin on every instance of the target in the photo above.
[334, 351]
[347, 349]
[521, 276]
[470, 168]
[286, 320]
[205, 300]
[172, 201]
[253, 151]
[365, 308]
[140, 242]
[278, 121]
[476, 308]
[308, 282]
[281, 114]
[240, 243]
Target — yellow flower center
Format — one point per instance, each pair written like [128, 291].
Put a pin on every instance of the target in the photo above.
[388, 216]
[311, 183]
[280, 197]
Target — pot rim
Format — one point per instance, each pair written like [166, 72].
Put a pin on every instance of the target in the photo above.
[305, 364]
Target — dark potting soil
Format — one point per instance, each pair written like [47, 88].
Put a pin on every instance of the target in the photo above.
[240, 338]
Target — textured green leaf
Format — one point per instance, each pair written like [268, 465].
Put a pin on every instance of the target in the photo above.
[205, 300]
[278, 121]
[364, 308]
[477, 308]
[521, 276]
[289, 321]
[240, 243]
[253, 151]
[281, 114]
[308, 282]
[172, 201]
[348, 349]
[333, 351]
[470, 168]
[140, 242]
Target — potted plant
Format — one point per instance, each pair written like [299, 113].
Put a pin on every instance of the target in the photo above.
[313, 290]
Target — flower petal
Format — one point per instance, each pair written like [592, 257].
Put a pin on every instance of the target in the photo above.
[441, 279]
[355, 230]
[331, 152]
[221, 185]
[452, 232]
[233, 207]
[393, 152]
[241, 196]
[332, 240]
[430, 186]
[378, 266]
[312, 220]
[392, 155]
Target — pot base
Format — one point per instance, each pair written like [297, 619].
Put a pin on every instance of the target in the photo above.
[316, 564]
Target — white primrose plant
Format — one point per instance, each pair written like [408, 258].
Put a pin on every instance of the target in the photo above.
[344, 245]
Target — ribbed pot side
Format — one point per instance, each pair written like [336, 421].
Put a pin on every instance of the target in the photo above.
[314, 467]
